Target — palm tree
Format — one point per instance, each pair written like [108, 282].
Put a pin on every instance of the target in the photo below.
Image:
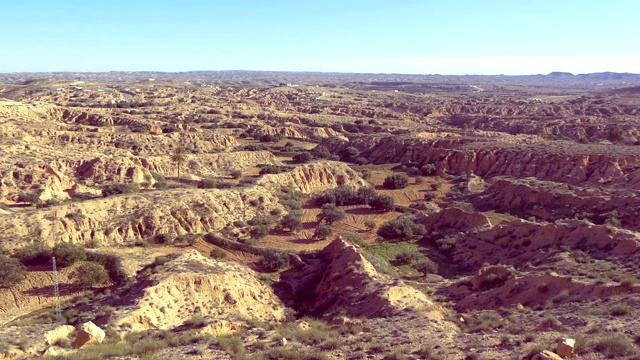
[177, 156]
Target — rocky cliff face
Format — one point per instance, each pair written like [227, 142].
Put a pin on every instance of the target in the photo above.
[314, 177]
[225, 293]
[124, 219]
[502, 156]
[351, 285]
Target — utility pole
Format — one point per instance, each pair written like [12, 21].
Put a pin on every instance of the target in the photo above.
[56, 289]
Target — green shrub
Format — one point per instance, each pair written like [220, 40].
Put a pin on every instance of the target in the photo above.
[401, 229]
[491, 281]
[396, 181]
[370, 224]
[322, 232]
[382, 202]
[67, 253]
[428, 170]
[115, 189]
[208, 183]
[111, 263]
[426, 266]
[218, 253]
[34, 254]
[273, 261]
[236, 174]
[90, 274]
[275, 169]
[259, 231]
[261, 220]
[12, 271]
[29, 198]
[292, 222]
[303, 157]
[330, 213]
[408, 257]
[164, 238]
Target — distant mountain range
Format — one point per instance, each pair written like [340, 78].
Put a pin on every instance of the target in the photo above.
[241, 77]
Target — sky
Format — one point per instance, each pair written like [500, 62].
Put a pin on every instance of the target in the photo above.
[364, 36]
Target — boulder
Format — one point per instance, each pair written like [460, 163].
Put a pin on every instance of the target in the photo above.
[88, 334]
[565, 347]
[546, 355]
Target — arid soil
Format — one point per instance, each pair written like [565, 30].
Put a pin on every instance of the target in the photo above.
[203, 202]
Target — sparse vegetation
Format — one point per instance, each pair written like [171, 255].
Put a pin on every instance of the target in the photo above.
[67, 253]
[401, 229]
[396, 181]
[330, 213]
[89, 275]
[118, 189]
[12, 272]
[322, 231]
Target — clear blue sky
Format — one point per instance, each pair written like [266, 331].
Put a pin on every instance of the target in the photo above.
[400, 36]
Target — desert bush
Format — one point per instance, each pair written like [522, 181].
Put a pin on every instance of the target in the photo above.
[401, 229]
[291, 222]
[164, 238]
[218, 253]
[407, 257]
[33, 254]
[29, 198]
[322, 232]
[365, 194]
[396, 181]
[255, 147]
[366, 174]
[115, 189]
[352, 237]
[67, 253]
[282, 353]
[275, 169]
[614, 346]
[273, 261]
[47, 203]
[330, 213]
[111, 263]
[302, 157]
[90, 274]
[259, 231]
[321, 152]
[271, 138]
[492, 281]
[382, 202]
[208, 183]
[261, 220]
[430, 195]
[12, 271]
[419, 180]
[620, 310]
[428, 169]
[426, 266]
[370, 224]
[224, 185]
[235, 174]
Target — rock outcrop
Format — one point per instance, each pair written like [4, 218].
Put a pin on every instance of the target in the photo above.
[351, 285]
[190, 284]
[88, 334]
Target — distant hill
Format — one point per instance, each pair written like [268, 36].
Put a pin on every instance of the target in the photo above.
[605, 80]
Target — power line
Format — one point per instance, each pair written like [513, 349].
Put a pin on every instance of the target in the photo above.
[56, 289]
